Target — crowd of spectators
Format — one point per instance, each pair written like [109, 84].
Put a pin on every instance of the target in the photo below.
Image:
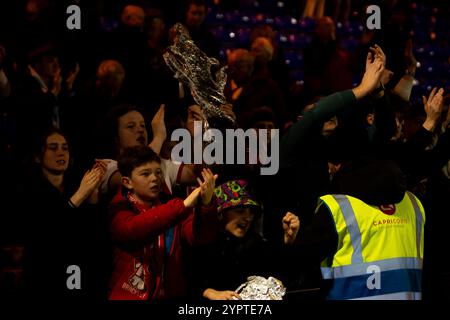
[86, 114]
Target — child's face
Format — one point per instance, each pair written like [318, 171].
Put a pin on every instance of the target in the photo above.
[132, 131]
[145, 181]
[238, 221]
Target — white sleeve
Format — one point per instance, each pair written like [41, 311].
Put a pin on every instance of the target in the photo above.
[171, 171]
[110, 170]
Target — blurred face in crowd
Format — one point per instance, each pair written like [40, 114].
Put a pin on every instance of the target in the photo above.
[47, 66]
[35, 8]
[400, 123]
[195, 16]
[240, 65]
[145, 181]
[262, 49]
[195, 113]
[155, 31]
[110, 77]
[238, 221]
[55, 157]
[133, 16]
[132, 131]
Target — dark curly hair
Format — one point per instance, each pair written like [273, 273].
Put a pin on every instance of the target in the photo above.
[134, 157]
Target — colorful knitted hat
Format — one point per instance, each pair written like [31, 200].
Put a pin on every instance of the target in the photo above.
[232, 194]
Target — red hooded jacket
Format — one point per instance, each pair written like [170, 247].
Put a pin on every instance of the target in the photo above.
[143, 269]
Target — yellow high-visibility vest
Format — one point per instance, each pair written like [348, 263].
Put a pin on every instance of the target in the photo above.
[379, 255]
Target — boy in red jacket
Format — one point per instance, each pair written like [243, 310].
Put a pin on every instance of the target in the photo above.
[148, 235]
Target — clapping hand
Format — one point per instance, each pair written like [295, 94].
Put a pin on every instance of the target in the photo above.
[205, 190]
[89, 184]
[207, 186]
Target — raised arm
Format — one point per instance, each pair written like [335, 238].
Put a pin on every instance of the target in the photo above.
[404, 86]
[329, 106]
[159, 130]
[202, 227]
[129, 227]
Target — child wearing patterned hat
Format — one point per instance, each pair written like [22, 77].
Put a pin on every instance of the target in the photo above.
[240, 251]
[234, 199]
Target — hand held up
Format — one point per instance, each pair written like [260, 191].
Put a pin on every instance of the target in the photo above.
[433, 106]
[291, 225]
[207, 186]
[375, 64]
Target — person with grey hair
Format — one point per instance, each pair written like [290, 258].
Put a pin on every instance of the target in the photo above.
[247, 91]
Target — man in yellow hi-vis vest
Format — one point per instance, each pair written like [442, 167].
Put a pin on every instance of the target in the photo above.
[379, 235]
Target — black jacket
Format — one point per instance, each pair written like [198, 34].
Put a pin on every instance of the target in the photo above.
[59, 236]
[227, 263]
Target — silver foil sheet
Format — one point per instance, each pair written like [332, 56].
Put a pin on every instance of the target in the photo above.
[259, 288]
[194, 68]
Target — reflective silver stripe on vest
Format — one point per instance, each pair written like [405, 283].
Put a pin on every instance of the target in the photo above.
[395, 296]
[352, 227]
[360, 269]
[419, 221]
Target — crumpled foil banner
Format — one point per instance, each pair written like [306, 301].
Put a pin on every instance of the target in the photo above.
[193, 67]
[259, 288]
